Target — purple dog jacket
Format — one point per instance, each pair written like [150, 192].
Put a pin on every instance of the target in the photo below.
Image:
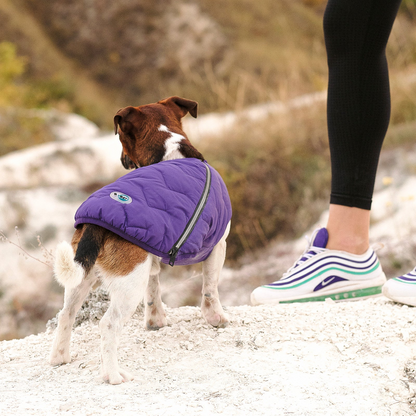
[177, 209]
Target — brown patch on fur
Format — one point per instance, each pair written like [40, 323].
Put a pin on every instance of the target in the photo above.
[119, 256]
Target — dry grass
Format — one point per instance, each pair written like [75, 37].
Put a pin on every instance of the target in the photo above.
[50, 70]
[277, 173]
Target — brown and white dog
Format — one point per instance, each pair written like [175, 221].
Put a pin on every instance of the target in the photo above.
[148, 134]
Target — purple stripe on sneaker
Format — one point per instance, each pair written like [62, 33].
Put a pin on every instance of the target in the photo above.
[284, 282]
[303, 259]
[341, 258]
[334, 257]
[328, 281]
[408, 279]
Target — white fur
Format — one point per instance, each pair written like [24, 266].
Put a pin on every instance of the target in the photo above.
[126, 293]
[172, 144]
[211, 268]
[67, 272]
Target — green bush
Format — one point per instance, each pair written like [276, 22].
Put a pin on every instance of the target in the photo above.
[11, 68]
[17, 130]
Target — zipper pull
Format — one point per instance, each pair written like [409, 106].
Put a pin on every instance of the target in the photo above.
[173, 252]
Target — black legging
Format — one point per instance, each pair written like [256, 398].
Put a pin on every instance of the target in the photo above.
[356, 34]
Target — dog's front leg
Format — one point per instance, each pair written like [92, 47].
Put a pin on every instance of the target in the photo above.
[155, 316]
[212, 266]
[126, 292]
[72, 302]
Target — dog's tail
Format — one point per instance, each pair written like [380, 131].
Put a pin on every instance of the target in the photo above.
[70, 268]
[67, 272]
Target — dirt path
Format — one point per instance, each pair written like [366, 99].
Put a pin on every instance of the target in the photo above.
[344, 359]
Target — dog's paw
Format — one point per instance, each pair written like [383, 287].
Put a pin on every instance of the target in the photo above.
[59, 357]
[213, 312]
[217, 320]
[117, 377]
[155, 317]
[153, 324]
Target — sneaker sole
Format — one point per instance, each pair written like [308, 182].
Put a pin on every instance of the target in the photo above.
[359, 294]
[409, 300]
[337, 294]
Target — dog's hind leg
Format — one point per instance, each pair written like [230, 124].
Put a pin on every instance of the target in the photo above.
[74, 297]
[126, 292]
[211, 267]
[155, 316]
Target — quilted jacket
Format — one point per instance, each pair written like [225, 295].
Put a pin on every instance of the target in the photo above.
[177, 209]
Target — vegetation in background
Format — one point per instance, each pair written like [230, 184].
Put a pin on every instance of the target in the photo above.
[17, 130]
[58, 81]
[224, 54]
[11, 67]
[277, 173]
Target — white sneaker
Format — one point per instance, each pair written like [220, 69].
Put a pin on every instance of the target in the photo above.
[321, 273]
[402, 289]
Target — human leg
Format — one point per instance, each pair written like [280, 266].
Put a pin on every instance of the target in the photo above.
[348, 229]
[358, 109]
[353, 177]
[356, 34]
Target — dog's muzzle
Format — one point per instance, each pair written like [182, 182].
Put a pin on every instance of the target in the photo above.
[127, 162]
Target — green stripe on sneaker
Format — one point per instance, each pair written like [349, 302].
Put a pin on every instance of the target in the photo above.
[322, 272]
[353, 294]
[404, 281]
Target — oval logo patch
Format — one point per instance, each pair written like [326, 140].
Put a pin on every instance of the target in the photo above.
[123, 198]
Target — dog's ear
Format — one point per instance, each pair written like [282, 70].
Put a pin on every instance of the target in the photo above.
[120, 119]
[185, 106]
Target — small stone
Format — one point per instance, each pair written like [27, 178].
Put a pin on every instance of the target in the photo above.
[259, 341]
[405, 335]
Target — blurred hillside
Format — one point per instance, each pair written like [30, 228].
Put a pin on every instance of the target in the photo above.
[260, 64]
[92, 57]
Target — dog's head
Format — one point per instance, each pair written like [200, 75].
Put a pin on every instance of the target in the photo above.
[153, 132]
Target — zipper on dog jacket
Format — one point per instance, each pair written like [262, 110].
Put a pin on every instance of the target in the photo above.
[173, 252]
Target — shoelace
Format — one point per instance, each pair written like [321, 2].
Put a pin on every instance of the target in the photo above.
[309, 252]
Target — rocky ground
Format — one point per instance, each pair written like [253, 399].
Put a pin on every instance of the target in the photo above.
[352, 358]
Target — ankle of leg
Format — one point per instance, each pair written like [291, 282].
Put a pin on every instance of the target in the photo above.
[351, 245]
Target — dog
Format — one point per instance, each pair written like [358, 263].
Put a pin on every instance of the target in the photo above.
[152, 140]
